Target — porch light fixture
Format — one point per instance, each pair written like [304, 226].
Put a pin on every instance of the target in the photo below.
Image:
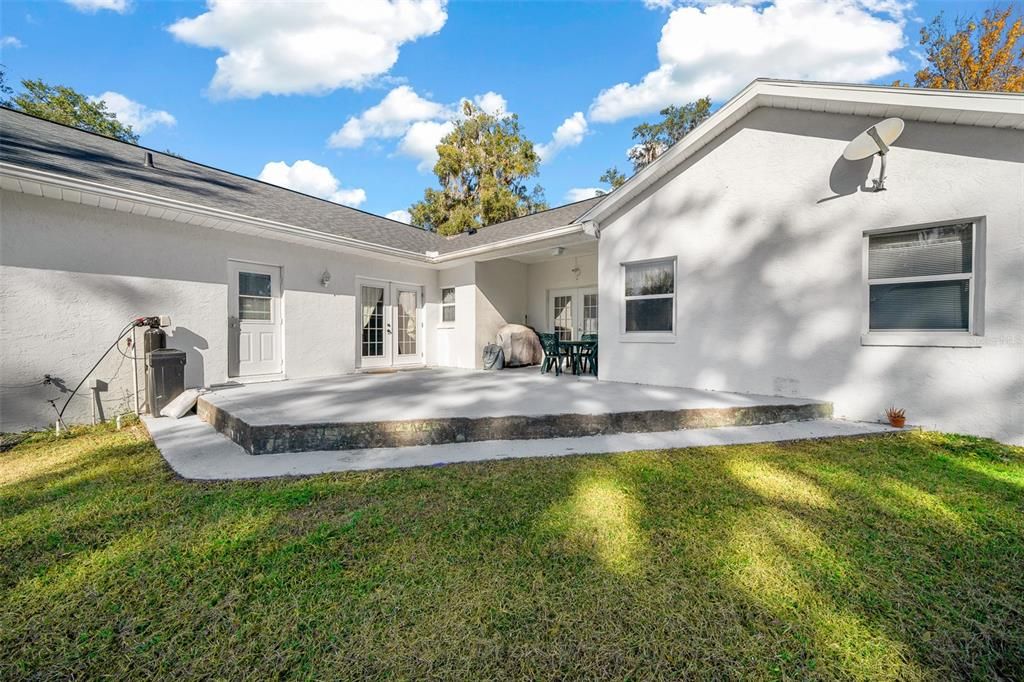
[325, 279]
[558, 251]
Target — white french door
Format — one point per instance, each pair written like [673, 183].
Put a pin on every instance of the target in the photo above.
[572, 312]
[254, 319]
[390, 322]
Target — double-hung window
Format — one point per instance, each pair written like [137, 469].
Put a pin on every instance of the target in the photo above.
[448, 305]
[650, 288]
[922, 280]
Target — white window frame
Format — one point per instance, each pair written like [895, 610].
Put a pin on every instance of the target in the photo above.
[972, 337]
[647, 336]
[447, 324]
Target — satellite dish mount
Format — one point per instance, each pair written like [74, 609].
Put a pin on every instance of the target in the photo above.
[875, 140]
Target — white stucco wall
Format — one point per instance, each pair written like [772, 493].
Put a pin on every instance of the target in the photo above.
[500, 300]
[456, 342]
[767, 223]
[71, 276]
[555, 274]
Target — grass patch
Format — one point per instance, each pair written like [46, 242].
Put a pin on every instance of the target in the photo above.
[871, 558]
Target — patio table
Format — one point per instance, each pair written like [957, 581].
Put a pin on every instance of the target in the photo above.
[575, 348]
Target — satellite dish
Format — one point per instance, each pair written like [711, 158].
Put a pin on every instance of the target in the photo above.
[875, 140]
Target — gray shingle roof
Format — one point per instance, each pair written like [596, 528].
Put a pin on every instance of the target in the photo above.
[519, 227]
[42, 145]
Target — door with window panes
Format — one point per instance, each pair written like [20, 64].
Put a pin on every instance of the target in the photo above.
[254, 320]
[572, 312]
[390, 321]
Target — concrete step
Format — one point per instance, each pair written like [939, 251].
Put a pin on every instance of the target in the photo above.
[195, 450]
[273, 438]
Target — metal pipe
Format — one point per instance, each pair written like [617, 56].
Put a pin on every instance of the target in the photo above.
[881, 174]
[135, 365]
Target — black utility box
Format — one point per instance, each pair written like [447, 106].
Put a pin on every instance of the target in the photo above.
[165, 377]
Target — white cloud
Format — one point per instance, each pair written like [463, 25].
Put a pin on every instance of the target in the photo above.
[10, 41]
[717, 49]
[399, 109]
[421, 140]
[569, 134]
[401, 215]
[311, 178]
[581, 193]
[91, 6]
[278, 47]
[141, 118]
[492, 103]
[418, 121]
[659, 4]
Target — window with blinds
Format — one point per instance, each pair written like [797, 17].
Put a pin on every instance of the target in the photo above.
[921, 280]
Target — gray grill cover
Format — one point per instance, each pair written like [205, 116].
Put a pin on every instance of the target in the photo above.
[520, 344]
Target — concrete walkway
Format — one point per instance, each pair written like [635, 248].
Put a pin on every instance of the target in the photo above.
[195, 450]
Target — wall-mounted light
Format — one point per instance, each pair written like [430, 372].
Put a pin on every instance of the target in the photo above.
[576, 268]
[325, 279]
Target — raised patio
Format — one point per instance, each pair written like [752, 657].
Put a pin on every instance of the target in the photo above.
[435, 406]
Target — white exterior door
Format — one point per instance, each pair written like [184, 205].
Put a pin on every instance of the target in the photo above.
[573, 312]
[375, 330]
[390, 325]
[254, 319]
[407, 348]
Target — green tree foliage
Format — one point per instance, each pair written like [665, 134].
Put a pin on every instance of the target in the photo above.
[614, 177]
[676, 123]
[65, 105]
[482, 168]
[5, 89]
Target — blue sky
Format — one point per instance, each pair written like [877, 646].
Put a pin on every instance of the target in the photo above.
[291, 78]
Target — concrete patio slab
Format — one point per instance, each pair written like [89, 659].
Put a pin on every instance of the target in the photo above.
[435, 406]
[195, 450]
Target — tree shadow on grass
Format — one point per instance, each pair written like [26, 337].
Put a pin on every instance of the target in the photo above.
[759, 561]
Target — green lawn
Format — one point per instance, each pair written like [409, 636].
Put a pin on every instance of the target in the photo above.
[898, 557]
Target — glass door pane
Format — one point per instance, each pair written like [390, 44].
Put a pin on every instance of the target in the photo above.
[372, 298]
[590, 313]
[563, 316]
[406, 322]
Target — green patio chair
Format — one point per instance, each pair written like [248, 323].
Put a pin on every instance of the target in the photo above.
[552, 353]
[588, 357]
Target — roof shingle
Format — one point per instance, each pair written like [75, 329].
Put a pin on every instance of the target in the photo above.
[38, 144]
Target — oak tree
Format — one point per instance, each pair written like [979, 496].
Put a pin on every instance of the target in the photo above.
[482, 168]
[62, 104]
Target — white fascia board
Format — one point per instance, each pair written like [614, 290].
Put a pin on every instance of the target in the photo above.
[1008, 107]
[524, 240]
[270, 227]
[174, 209]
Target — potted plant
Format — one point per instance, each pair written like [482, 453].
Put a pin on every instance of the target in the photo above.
[897, 416]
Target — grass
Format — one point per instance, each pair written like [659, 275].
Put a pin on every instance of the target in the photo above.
[873, 558]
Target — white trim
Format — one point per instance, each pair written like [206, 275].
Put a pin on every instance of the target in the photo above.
[969, 338]
[922, 339]
[443, 323]
[551, 233]
[391, 359]
[195, 210]
[987, 109]
[236, 265]
[127, 201]
[670, 336]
